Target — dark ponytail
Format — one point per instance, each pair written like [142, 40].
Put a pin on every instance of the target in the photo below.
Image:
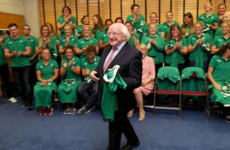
[223, 49]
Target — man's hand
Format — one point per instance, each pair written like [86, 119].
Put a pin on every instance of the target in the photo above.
[93, 76]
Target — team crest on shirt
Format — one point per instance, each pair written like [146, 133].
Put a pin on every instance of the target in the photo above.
[212, 17]
[72, 39]
[95, 63]
[202, 17]
[31, 40]
[91, 41]
[63, 39]
[193, 39]
[73, 62]
[104, 35]
[41, 67]
[10, 42]
[82, 41]
[20, 41]
[220, 40]
[51, 64]
[219, 60]
[85, 63]
[165, 26]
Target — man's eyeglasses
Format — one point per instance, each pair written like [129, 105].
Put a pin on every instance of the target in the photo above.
[113, 33]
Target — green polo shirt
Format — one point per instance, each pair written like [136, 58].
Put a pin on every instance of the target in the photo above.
[78, 30]
[218, 32]
[19, 44]
[213, 18]
[198, 52]
[47, 72]
[98, 32]
[131, 40]
[221, 71]
[69, 72]
[103, 37]
[57, 37]
[61, 19]
[186, 30]
[155, 52]
[167, 27]
[34, 44]
[2, 56]
[137, 24]
[219, 41]
[176, 55]
[160, 28]
[85, 64]
[52, 47]
[82, 43]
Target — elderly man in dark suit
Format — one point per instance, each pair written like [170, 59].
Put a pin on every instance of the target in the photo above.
[121, 53]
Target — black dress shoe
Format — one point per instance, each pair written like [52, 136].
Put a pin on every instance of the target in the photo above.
[130, 147]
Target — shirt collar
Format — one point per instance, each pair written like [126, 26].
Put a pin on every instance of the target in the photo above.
[119, 47]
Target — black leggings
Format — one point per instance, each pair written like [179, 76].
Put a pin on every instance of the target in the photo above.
[4, 71]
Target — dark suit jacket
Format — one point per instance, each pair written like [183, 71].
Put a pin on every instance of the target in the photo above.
[130, 61]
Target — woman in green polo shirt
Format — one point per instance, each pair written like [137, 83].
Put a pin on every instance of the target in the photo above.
[199, 46]
[175, 48]
[221, 10]
[66, 18]
[66, 40]
[71, 75]
[221, 39]
[154, 43]
[78, 29]
[168, 23]
[103, 39]
[88, 64]
[47, 73]
[136, 18]
[134, 39]
[209, 19]
[188, 26]
[154, 19]
[86, 40]
[52, 33]
[218, 74]
[47, 41]
[98, 26]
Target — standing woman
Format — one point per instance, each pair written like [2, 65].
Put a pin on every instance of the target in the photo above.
[221, 10]
[52, 33]
[47, 41]
[67, 40]
[154, 19]
[71, 75]
[221, 39]
[86, 40]
[98, 26]
[187, 28]
[199, 46]
[175, 48]
[168, 23]
[78, 29]
[134, 39]
[66, 18]
[209, 19]
[47, 73]
[154, 43]
[218, 74]
[136, 18]
[103, 39]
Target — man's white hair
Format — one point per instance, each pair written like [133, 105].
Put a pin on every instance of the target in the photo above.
[124, 30]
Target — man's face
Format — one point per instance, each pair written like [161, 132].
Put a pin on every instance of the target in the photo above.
[26, 30]
[116, 37]
[14, 31]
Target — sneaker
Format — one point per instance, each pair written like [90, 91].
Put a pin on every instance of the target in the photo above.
[221, 113]
[30, 107]
[81, 111]
[90, 110]
[227, 118]
[12, 100]
[25, 104]
[43, 112]
[72, 110]
[66, 111]
[49, 111]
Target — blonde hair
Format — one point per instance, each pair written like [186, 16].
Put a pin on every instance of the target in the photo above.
[68, 25]
[200, 23]
[227, 22]
[142, 46]
[86, 26]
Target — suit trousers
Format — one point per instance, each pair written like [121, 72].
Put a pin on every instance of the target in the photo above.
[121, 125]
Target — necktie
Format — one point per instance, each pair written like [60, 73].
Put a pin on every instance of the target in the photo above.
[109, 59]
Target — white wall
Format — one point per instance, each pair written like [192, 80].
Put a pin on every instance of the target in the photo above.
[27, 8]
